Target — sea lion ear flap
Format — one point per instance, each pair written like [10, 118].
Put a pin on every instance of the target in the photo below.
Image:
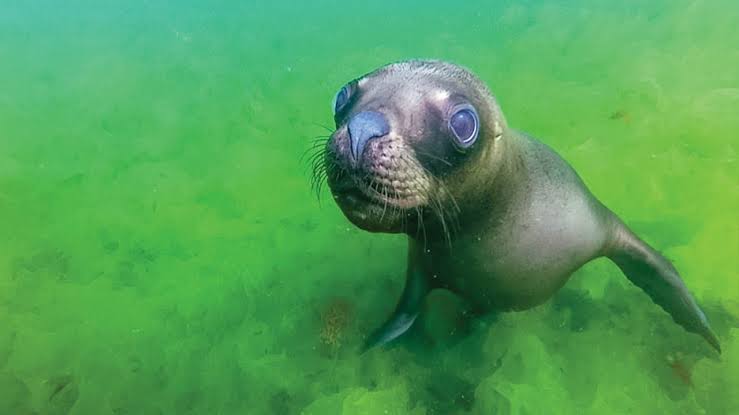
[497, 130]
[499, 121]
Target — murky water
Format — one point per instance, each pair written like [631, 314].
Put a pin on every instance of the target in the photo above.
[162, 252]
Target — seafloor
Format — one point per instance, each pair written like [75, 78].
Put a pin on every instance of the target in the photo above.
[162, 252]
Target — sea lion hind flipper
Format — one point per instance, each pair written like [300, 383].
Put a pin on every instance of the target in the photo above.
[654, 274]
[405, 314]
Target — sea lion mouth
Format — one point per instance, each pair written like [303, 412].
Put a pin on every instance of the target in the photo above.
[380, 188]
[378, 192]
[396, 197]
[376, 204]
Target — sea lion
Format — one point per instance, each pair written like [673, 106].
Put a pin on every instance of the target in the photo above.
[492, 214]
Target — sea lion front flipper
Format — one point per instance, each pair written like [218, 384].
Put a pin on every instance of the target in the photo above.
[654, 274]
[406, 312]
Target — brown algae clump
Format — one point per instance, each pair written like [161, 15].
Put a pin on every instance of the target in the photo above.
[335, 319]
[620, 115]
[680, 368]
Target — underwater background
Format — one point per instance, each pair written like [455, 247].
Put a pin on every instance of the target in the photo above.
[161, 250]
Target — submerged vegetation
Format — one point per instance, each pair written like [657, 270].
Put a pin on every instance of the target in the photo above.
[162, 251]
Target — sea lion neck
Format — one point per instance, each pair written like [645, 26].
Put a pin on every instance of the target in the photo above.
[485, 197]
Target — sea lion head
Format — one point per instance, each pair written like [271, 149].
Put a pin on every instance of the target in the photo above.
[413, 139]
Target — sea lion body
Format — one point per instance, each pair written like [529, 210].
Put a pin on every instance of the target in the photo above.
[492, 214]
[531, 240]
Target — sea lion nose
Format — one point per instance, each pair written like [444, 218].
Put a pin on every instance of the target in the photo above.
[363, 127]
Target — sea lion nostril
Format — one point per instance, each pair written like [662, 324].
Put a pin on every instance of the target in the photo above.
[364, 127]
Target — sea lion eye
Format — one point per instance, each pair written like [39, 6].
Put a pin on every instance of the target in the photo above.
[342, 98]
[464, 125]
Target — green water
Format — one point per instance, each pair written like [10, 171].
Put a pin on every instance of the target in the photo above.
[162, 253]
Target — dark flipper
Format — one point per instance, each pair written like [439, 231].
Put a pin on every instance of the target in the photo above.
[654, 274]
[406, 312]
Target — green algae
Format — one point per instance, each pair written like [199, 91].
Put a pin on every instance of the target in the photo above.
[162, 252]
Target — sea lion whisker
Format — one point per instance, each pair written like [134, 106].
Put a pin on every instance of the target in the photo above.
[317, 185]
[318, 164]
[452, 213]
[419, 219]
[310, 153]
[320, 138]
[322, 126]
[403, 218]
[384, 201]
[423, 153]
[315, 159]
[319, 175]
[449, 194]
[436, 202]
[318, 141]
[442, 219]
